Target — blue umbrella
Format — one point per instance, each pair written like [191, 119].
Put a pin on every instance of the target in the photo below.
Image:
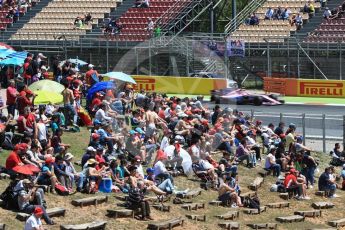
[98, 87]
[5, 52]
[12, 61]
[22, 55]
[120, 76]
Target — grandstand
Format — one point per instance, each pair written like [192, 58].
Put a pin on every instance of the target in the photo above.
[273, 46]
[275, 29]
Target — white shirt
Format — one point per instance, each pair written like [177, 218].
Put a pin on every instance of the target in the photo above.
[195, 152]
[268, 160]
[266, 138]
[250, 141]
[140, 170]
[159, 168]
[100, 115]
[164, 143]
[269, 131]
[32, 222]
[42, 131]
[169, 151]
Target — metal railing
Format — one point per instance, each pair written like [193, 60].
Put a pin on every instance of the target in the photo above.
[243, 15]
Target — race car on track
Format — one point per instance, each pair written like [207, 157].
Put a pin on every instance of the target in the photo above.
[243, 97]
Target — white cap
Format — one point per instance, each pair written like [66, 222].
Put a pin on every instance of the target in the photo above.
[90, 66]
[68, 156]
[344, 166]
[41, 55]
[91, 149]
[43, 67]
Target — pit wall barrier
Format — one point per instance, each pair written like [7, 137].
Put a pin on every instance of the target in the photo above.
[305, 87]
[178, 85]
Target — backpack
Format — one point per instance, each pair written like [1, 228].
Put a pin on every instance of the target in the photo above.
[61, 190]
[253, 203]
[10, 198]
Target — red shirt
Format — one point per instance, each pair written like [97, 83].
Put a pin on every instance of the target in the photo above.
[12, 160]
[100, 159]
[11, 95]
[25, 66]
[289, 180]
[30, 120]
[161, 114]
[23, 101]
[20, 123]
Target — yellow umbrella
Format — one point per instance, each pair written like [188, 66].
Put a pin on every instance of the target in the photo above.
[47, 85]
[45, 97]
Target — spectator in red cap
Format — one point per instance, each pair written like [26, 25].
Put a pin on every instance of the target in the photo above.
[94, 142]
[14, 159]
[34, 221]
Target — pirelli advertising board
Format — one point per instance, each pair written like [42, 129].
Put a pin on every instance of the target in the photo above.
[304, 87]
[178, 85]
[320, 88]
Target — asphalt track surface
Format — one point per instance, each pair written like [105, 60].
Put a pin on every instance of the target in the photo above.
[293, 114]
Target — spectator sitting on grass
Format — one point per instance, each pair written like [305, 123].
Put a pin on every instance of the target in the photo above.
[327, 184]
[271, 163]
[26, 198]
[227, 195]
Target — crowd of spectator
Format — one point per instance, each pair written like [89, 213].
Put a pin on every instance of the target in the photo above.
[163, 137]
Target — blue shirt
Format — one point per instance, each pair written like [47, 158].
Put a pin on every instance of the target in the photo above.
[102, 135]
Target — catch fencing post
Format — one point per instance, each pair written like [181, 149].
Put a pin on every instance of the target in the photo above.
[251, 114]
[281, 117]
[324, 133]
[303, 127]
[344, 130]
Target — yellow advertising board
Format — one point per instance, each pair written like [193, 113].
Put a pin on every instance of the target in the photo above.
[178, 85]
[320, 88]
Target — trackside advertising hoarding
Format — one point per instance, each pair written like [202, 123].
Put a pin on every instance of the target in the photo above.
[178, 85]
[306, 87]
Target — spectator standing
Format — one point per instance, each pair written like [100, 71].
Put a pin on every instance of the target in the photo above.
[68, 100]
[11, 96]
